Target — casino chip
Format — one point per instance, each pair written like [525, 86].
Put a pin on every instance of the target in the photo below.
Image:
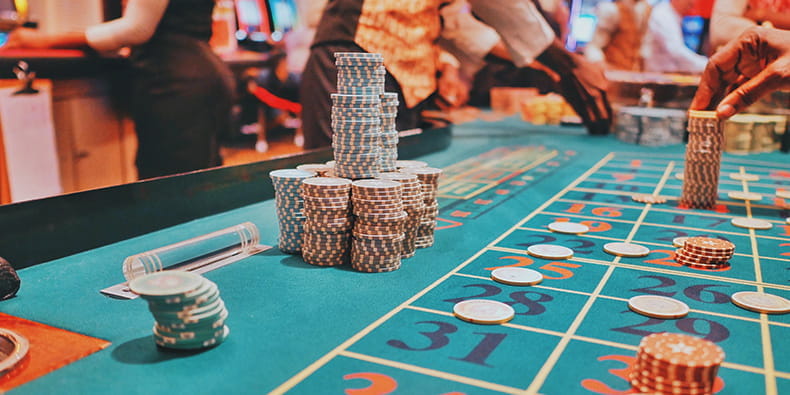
[429, 178]
[751, 223]
[187, 308]
[550, 251]
[783, 193]
[628, 250]
[648, 199]
[483, 311]
[516, 276]
[746, 196]
[761, 302]
[674, 363]
[287, 184]
[658, 306]
[568, 227]
[703, 160]
[678, 242]
[744, 177]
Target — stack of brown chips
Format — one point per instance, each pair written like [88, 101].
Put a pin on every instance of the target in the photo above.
[287, 184]
[703, 160]
[673, 363]
[379, 227]
[429, 177]
[414, 206]
[326, 237]
[705, 253]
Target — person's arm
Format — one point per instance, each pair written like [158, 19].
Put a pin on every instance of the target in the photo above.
[727, 21]
[758, 62]
[136, 26]
[465, 37]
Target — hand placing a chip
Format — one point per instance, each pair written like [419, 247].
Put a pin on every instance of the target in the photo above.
[753, 65]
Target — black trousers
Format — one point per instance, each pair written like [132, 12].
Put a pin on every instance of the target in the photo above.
[182, 97]
[319, 81]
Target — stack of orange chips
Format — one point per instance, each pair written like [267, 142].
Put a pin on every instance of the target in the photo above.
[672, 363]
[705, 253]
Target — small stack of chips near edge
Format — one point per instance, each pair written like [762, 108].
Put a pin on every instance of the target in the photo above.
[429, 177]
[672, 363]
[287, 184]
[703, 160]
[327, 207]
[705, 253]
[414, 206]
[389, 132]
[378, 229]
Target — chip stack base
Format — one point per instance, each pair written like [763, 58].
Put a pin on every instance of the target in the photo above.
[389, 131]
[703, 160]
[414, 206]
[672, 363]
[429, 178]
[286, 184]
[379, 226]
[705, 253]
[187, 307]
[326, 238]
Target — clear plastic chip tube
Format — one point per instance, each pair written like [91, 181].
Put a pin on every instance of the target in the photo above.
[192, 254]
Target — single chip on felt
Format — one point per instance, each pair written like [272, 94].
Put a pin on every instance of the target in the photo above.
[761, 302]
[744, 177]
[658, 306]
[751, 223]
[483, 311]
[628, 250]
[748, 196]
[647, 198]
[568, 227]
[783, 193]
[550, 251]
[516, 276]
[9, 280]
[678, 242]
[679, 176]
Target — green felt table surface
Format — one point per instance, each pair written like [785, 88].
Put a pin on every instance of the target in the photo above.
[334, 330]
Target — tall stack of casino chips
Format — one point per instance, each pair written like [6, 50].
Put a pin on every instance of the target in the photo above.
[705, 253]
[287, 184]
[326, 239]
[378, 232]
[356, 114]
[429, 179]
[187, 308]
[672, 363]
[389, 131]
[413, 204]
[703, 160]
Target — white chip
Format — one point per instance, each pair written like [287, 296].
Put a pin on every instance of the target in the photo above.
[744, 177]
[516, 276]
[761, 302]
[679, 176]
[483, 311]
[550, 251]
[740, 195]
[568, 227]
[658, 306]
[679, 241]
[629, 250]
[787, 220]
[751, 223]
[783, 193]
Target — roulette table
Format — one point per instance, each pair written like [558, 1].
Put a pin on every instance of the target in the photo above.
[302, 329]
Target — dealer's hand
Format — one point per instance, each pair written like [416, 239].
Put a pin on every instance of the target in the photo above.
[744, 70]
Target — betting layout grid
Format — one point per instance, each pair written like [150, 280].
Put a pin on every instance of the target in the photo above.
[364, 208]
[579, 316]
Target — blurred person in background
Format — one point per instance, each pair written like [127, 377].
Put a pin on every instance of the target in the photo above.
[632, 35]
[730, 18]
[181, 92]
